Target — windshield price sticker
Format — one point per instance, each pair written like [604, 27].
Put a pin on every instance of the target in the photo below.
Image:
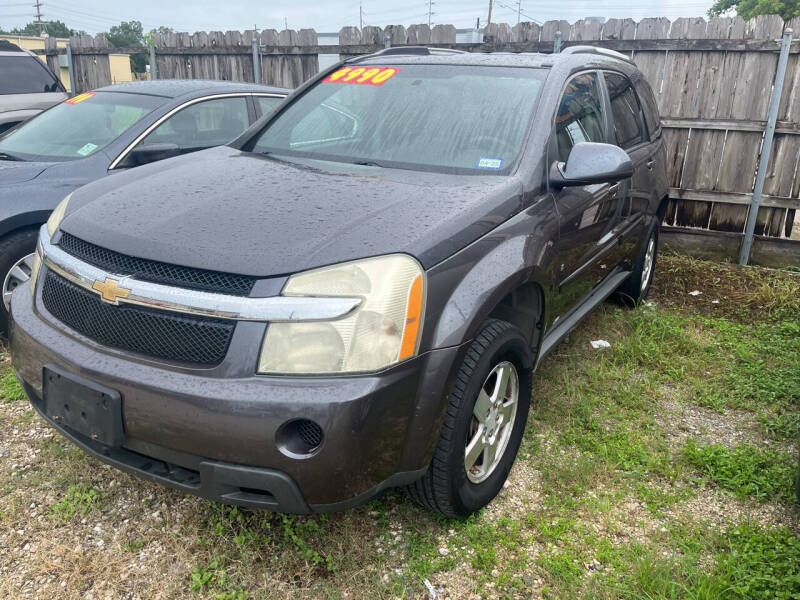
[362, 75]
[79, 98]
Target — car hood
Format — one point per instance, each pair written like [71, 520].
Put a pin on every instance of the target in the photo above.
[237, 212]
[19, 172]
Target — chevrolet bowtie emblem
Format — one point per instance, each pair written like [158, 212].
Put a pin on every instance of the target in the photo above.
[110, 290]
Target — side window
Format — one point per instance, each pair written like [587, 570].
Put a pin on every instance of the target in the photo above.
[651, 116]
[203, 125]
[628, 118]
[267, 104]
[580, 114]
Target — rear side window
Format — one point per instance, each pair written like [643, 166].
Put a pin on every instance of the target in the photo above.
[628, 118]
[580, 114]
[25, 75]
[649, 104]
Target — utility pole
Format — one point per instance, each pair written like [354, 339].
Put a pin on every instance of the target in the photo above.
[430, 11]
[489, 18]
[285, 23]
[519, 9]
[39, 20]
[360, 16]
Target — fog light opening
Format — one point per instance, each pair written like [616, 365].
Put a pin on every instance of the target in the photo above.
[299, 438]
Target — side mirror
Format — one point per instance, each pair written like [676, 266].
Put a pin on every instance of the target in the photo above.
[590, 163]
[142, 155]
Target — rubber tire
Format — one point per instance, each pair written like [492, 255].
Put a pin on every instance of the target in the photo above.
[12, 248]
[445, 487]
[630, 292]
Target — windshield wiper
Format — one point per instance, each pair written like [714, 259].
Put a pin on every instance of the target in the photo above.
[6, 156]
[368, 163]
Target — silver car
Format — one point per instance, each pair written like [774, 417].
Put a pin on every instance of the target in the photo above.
[27, 86]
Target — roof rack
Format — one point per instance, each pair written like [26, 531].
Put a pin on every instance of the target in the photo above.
[596, 50]
[415, 51]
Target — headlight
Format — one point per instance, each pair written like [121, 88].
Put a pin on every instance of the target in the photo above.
[57, 216]
[382, 331]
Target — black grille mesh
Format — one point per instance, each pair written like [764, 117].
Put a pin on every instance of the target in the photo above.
[157, 272]
[159, 334]
[309, 432]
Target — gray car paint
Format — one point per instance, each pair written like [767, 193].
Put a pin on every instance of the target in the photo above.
[489, 246]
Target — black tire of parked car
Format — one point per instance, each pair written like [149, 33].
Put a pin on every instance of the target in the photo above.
[445, 486]
[632, 293]
[13, 247]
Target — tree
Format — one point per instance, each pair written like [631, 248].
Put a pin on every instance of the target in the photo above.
[747, 9]
[126, 35]
[52, 28]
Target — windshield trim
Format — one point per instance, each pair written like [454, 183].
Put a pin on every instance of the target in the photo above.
[246, 142]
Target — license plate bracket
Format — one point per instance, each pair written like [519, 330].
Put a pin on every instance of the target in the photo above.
[86, 407]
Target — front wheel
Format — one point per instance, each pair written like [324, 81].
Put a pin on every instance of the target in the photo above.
[16, 261]
[483, 426]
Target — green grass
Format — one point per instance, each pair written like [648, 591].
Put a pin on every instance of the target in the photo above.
[79, 499]
[746, 470]
[10, 388]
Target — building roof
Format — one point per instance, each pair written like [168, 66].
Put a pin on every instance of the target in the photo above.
[172, 88]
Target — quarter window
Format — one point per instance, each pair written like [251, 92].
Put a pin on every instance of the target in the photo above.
[580, 114]
[203, 125]
[627, 112]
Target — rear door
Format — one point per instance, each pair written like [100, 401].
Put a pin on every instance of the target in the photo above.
[587, 214]
[630, 133]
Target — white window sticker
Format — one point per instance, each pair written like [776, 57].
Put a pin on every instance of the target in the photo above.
[490, 163]
[87, 149]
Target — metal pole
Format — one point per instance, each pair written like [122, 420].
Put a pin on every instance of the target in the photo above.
[153, 68]
[766, 150]
[256, 62]
[70, 70]
[557, 43]
[489, 18]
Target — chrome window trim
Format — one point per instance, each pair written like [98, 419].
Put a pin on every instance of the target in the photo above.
[193, 302]
[124, 154]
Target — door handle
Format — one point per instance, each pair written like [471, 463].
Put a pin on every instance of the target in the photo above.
[613, 189]
[651, 163]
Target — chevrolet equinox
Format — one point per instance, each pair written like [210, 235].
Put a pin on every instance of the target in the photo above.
[355, 293]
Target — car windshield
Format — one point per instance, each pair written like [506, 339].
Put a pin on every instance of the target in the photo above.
[424, 117]
[77, 127]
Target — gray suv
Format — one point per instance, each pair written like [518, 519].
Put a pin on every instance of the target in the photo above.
[27, 86]
[355, 294]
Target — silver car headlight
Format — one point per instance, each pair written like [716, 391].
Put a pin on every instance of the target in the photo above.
[57, 216]
[384, 329]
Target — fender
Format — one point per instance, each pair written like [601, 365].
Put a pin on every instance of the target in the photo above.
[514, 255]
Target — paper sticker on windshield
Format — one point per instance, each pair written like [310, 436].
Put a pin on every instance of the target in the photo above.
[362, 75]
[87, 149]
[79, 98]
[490, 163]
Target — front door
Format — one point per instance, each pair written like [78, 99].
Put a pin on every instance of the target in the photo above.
[588, 214]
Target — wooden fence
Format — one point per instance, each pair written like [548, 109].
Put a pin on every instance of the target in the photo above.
[712, 80]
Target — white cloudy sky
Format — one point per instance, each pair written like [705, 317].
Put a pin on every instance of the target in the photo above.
[196, 15]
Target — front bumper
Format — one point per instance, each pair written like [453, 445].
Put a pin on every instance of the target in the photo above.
[212, 432]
